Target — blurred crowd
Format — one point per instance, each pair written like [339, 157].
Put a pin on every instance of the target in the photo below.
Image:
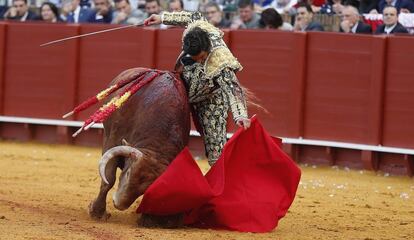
[286, 15]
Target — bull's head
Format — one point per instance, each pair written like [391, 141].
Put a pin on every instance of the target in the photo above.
[129, 187]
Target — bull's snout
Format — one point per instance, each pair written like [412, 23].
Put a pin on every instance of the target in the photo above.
[128, 152]
[117, 203]
[124, 196]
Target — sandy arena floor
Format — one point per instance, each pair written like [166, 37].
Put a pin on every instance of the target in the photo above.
[45, 191]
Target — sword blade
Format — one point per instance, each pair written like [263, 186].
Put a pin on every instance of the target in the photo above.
[90, 34]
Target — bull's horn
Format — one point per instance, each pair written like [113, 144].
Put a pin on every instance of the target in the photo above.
[125, 151]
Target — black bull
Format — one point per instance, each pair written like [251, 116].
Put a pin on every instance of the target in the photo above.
[155, 122]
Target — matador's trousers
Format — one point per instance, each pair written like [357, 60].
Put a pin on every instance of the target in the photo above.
[212, 115]
[212, 99]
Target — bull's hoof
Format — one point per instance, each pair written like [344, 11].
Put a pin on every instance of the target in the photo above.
[169, 221]
[98, 213]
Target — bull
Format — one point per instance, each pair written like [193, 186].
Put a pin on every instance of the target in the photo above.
[142, 138]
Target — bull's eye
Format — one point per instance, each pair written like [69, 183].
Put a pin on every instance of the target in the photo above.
[142, 178]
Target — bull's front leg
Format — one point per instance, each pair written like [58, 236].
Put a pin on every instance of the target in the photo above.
[97, 208]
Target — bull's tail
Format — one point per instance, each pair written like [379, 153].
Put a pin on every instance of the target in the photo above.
[252, 100]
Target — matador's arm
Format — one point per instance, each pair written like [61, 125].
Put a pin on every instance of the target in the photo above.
[232, 89]
[182, 18]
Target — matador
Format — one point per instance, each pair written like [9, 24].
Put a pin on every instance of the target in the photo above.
[208, 70]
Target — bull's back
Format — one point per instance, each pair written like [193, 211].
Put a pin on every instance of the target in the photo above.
[155, 118]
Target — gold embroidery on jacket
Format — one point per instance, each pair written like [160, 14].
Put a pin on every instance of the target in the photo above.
[180, 18]
[220, 56]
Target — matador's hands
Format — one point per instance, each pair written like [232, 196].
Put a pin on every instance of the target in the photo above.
[243, 122]
[153, 20]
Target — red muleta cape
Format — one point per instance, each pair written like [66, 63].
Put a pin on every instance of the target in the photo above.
[249, 189]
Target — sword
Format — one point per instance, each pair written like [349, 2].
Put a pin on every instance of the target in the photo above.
[90, 34]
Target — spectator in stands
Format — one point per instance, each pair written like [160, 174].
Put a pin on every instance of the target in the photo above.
[141, 5]
[191, 5]
[65, 9]
[229, 7]
[271, 19]
[124, 13]
[202, 5]
[332, 7]
[57, 3]
[354, 3]
[315, 4]
[391, 24]
[3, 10]
[19, 11]
[135, 4]
[304, 19]
[85, 3]
[247, 19]
[351, 22]
[368, 6]
[404, 6]
[262, 4]
[74, 13]
[49, 13]
[152, 7]
[284, 6]
[175, 6]
[103, 11]
[215, 16]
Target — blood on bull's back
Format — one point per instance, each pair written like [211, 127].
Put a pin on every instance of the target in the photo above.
[155, 117]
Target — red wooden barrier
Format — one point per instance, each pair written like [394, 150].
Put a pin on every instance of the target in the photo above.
[2, 62]
[343, 88]
[273, 69]
[38, 82]
[167, 48]
[399, 93]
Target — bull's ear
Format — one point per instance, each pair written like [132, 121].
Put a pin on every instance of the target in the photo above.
[125, 143]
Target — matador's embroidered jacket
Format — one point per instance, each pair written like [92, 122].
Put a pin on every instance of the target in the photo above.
[213, 88]
[220, 62]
